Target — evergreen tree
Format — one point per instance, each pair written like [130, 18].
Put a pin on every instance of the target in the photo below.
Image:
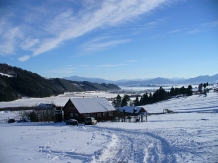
[136, 102]
[145, 99]
[172, 92]
[177, 91]
[189, 90]
[162, 94]
[117, 102]
[142, 100]
[182, 90]
[155, 96]
[150, 98]
[189, 87]
[200, 87]
[125, 100]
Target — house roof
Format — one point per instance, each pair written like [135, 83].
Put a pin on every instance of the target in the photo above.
[92, 105]
[129, 109]
[45, 106]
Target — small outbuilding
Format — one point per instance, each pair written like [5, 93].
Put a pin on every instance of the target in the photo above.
[137, 112]
[80, 108]
[132, 110]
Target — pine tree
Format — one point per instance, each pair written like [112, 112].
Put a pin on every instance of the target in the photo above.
[162, 94]
[200, 87]
[189, 90]
[136, 102]
[177, 91]
[172, 92]
[150, 99]
[117, 101]
[125, 100]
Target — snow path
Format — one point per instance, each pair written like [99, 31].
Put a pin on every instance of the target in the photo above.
[135, 146]
[122, 146]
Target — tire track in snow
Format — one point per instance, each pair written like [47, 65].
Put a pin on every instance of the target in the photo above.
[109, 151]
[135, 146]
[123, 146]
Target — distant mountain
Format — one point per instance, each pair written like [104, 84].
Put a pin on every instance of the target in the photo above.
[100, 80]
[94, 80]
[16, 82]
[125, 82]
[148, 82]
[202, 79]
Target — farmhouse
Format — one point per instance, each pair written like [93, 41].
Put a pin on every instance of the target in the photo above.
[80, 108]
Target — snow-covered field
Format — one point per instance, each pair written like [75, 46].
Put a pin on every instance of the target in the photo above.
[194, 103]
[182, 137]
[60, 100]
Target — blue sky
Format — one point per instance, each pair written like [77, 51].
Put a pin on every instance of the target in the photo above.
[111, 39]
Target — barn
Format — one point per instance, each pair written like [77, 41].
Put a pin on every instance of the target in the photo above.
[80, 108]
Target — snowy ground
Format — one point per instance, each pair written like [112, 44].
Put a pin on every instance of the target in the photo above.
[182, 137]
[195, 103]
[59, 100]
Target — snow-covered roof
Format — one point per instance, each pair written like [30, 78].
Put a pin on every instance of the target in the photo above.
[92, 105]
[45, 106]
[129, 109]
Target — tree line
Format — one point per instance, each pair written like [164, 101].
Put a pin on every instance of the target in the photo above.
[150, 98]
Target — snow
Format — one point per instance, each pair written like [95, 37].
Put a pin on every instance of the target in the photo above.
[98, 104]
[6, 75]
[195, 103]
[183, 137]
[59, 100]
[130, 109]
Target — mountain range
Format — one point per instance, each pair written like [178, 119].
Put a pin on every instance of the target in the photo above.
[147, 82]
[16, 83]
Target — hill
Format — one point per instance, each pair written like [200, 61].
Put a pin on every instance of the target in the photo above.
[16, 82]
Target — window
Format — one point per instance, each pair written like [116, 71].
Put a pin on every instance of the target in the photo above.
[110, 114]
[99, 114]
[104, 114]
[71, 115]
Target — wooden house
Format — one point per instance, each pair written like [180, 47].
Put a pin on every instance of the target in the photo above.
[80, 108]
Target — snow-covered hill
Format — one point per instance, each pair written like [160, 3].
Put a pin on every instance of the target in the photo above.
[195, 103]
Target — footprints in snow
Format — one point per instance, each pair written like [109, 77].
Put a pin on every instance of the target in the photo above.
[92, 138]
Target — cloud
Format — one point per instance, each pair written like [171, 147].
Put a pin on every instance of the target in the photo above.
[109, 65]
[43, 27]
[193, 31]
[9, 40]
[24, 58]
[132, 61]
[210, 24]
[29, 43]
[95, 46]
[174, 31]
